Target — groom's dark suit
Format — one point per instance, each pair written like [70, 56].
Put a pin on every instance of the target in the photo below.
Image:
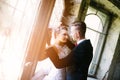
[77, 62]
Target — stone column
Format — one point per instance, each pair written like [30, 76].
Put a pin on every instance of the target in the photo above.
[75, 10]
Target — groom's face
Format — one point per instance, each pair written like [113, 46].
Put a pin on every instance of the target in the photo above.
[73, 33]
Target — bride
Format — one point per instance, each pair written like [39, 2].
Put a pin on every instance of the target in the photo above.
[47, 71]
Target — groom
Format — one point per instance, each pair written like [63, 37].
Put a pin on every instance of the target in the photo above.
[79, 59]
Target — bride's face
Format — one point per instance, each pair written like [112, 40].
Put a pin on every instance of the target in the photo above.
[62, 36]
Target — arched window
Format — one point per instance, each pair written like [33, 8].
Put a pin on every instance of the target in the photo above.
[94, 28]
[97, 25]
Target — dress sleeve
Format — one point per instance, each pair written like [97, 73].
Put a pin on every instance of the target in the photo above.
[59, 63]
[70, 44]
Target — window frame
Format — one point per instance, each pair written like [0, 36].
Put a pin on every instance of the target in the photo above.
[101, 41]
[38, 39]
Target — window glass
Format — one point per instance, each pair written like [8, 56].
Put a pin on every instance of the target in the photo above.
[16, 24]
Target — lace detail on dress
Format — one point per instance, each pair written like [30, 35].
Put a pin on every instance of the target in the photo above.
[63, 51]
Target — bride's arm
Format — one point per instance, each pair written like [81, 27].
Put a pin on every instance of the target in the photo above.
[42, 56]
[59, 63]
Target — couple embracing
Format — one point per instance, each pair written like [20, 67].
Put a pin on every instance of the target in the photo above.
[69, 61]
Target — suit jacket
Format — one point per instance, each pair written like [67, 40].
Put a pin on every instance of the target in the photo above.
[77, 62]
